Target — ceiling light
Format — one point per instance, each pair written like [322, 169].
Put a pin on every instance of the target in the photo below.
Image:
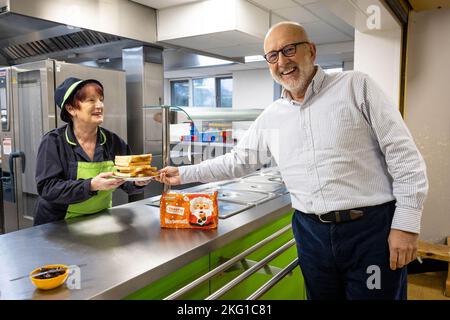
[254, 58]
[209, 61]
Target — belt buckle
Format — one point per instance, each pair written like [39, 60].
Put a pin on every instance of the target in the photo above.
[324, 221]
[355, 214]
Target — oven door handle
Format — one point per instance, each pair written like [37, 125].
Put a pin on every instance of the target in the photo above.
[12, 156]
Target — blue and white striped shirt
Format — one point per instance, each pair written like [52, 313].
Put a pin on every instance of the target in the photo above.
[345, 146]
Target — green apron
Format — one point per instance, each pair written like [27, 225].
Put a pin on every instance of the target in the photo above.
[103, 198]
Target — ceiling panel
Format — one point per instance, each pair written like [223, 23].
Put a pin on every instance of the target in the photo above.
[297, 14]
[274, 5]
[319, 32]
[160, 4]
[309, 1]
[320, 10]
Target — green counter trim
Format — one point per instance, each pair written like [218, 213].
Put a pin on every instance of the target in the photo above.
[291, 287]
[165, 286]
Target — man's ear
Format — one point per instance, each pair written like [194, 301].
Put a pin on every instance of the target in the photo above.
[313, 50]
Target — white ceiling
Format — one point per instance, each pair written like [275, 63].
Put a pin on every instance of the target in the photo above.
[322, 26]
[161, 4]
[320, 23]
[296, 13]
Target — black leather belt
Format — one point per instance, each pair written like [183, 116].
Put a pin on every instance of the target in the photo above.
[338, 216]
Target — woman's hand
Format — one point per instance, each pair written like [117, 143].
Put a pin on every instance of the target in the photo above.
[169, 175]
[105, 181]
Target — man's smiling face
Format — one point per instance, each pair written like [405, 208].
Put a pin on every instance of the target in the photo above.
[293, 73]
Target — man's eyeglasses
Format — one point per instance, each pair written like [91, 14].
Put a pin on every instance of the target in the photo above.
[287, 51]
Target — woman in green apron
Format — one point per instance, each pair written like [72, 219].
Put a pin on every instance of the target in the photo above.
[75, 162]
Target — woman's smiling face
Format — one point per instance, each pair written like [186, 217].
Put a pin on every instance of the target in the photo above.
[90, 109]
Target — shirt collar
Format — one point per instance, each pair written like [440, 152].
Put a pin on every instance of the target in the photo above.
[72, 140]
[313, 88]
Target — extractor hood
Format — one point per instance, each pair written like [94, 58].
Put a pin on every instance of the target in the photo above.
[25, 38]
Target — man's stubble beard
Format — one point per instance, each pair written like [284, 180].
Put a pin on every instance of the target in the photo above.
[295, 85]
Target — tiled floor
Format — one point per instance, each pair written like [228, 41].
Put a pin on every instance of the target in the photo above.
[427, 286]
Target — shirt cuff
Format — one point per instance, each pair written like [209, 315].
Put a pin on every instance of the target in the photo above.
[407, 220]
[187, 174]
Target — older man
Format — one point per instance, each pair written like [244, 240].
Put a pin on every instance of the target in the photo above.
[356, 178]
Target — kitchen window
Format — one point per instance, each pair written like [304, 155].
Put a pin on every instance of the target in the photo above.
[224, 92]
[179, 91]
[208, 92]
[204, 92]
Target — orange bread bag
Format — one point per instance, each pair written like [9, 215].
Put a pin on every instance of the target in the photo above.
[189, 210]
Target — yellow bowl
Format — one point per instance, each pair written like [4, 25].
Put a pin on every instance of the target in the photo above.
[50, 283]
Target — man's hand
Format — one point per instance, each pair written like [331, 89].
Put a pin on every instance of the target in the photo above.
[169, 175]
[402, 248]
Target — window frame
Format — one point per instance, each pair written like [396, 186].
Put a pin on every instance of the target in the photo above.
[219, 91]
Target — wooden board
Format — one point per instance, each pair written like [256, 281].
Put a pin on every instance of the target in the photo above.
[427, 250]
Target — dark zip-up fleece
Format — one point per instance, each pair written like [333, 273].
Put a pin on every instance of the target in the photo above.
[56, 171]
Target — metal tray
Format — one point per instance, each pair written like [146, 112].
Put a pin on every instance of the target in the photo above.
[242, 196]
[229, 209]
[258, 187]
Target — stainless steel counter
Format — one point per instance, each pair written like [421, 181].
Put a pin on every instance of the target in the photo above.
[124, 249]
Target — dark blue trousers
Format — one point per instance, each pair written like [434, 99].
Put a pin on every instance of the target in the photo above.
[349, 260]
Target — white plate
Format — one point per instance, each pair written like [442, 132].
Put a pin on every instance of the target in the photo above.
[135, 178]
